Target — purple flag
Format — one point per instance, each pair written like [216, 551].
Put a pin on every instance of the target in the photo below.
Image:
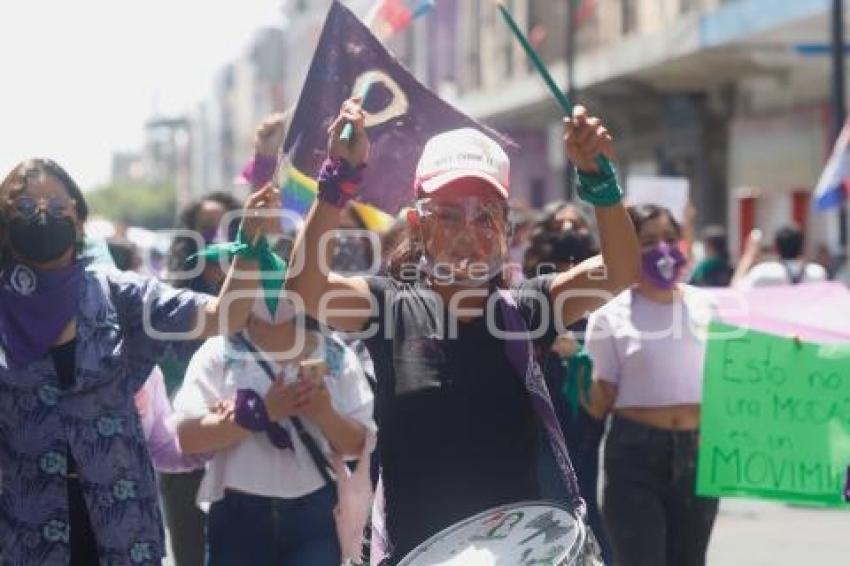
[402, 114]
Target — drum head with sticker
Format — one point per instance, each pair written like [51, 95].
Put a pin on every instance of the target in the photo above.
[521, 534]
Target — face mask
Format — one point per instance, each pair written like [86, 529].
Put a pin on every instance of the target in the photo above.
[43, 238]
[472, 241]
[662, 264]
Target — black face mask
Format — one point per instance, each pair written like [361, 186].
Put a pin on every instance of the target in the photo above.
[43, 238]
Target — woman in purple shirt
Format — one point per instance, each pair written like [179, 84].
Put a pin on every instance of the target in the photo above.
[76, 344]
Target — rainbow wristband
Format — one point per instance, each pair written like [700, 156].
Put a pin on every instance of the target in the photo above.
[339, 181]
[600, 189]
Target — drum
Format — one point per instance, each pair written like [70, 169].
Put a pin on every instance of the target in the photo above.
[520, 534]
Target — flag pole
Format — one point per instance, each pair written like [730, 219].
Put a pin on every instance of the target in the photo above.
[839, 108]
[569, 88]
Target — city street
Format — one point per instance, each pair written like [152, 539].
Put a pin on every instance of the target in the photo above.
[754, 533]
[751, 533]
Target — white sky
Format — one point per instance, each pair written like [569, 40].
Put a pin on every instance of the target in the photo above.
[81, 77]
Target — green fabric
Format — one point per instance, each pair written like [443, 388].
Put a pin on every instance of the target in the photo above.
[272, 267]
[706, 266]
[578, 370]
[712, 271]
[602, 188]
[173, 372]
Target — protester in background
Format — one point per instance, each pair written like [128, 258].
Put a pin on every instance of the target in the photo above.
[77, 343]
[567, 367]
[825, 259]
[791, 267]
[715, 268]
[268, 496]
[558, 220]
[186, 523]
[352, 249]
[648, 348]
[124, 253]
[206, 218]
[458, 434]
[561, 216]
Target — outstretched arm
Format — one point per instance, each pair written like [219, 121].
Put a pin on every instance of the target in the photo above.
[321, 290]
[592, 283]
[229, 312]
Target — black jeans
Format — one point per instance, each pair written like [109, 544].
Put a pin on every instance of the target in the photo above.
[653, 514]
[83, 543]
[186, 522]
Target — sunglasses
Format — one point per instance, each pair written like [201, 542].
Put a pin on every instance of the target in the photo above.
[54, 206]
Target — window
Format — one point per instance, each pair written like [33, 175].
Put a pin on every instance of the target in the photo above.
[474, 46]
[507, 44]
[629, 16]
[686, 6]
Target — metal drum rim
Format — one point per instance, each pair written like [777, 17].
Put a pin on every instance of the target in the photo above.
[570, 559]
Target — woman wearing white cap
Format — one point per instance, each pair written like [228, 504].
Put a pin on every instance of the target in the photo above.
[455, 401]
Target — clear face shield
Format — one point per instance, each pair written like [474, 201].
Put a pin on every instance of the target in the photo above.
[465, 241]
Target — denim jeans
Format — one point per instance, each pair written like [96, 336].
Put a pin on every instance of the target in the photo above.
[252, 530]
[653, 513]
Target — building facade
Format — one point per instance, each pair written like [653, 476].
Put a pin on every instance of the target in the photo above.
[716, 91]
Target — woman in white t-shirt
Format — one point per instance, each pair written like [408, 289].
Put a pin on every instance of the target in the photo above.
[269, 503]
[648, 348]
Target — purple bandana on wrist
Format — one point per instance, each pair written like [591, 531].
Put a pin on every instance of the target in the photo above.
[339, 181]
[279, 436]
[251, 415]
[35, 307]
[251, 411]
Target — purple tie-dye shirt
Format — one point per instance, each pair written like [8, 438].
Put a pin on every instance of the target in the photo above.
[96, 420]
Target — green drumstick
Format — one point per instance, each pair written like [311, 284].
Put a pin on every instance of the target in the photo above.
[348, 131]
[560, 95]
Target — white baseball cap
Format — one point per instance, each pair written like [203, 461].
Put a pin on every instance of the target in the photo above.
[462, 154]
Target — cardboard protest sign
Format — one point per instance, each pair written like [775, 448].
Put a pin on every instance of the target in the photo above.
[775, 418]
[401, 115]
[816, 312]
[670, 192]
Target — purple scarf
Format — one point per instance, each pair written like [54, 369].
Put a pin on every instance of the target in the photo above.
[35, 306]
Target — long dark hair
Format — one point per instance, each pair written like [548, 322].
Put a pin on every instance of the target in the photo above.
[16, 182]
[183, 247]
[716, 237]
[643, 213]
[402, 250]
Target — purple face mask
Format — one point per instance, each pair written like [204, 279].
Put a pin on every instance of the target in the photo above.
[662, 264]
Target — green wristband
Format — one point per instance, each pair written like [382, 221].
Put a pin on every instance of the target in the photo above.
[600, 189]
[272, 267]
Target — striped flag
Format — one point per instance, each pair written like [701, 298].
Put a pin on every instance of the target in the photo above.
[389, 17]
[834, 184]
[585, 10]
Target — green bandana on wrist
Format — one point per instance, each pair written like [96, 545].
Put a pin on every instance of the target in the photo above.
[577, 379]
[272, 267]
[601, 188]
